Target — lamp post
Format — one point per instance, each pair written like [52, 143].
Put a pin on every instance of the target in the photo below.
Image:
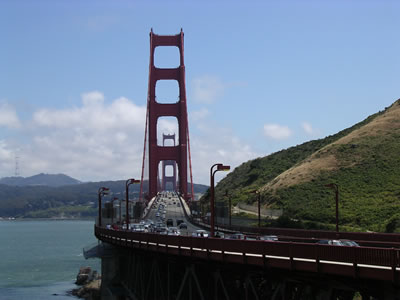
[230, 207]
[127, 184]
[112, 207]
[120, 212]
[259, 205]
[335, 187]
[259, 208]
[101, 192]
[220, 167]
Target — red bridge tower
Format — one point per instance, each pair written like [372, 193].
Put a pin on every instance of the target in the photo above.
[177, 153]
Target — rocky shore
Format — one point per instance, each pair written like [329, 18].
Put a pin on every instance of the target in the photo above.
[89, 282]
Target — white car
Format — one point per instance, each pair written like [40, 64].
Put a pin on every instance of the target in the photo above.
[138, 227]
[272, 238]
[200, 233]
[173, 231]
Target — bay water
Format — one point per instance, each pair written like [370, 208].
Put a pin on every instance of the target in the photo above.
[40, 259]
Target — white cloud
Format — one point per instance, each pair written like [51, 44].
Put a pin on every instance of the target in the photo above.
[198, 115]
[103, 140]
[94, 114]
[207, 89]
[309, 129]
[95, 141]
[8, 116]
[92, 98]
[276, 131]
[217, 145]
[5, 152]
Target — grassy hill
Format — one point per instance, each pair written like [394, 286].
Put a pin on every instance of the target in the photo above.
[363, 160]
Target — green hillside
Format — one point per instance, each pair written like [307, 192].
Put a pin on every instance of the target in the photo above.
[363, 160]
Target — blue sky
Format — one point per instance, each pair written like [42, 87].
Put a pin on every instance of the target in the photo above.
[261, 76]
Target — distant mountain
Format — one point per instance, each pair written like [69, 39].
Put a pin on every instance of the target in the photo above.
[53, 180]
[73, 200]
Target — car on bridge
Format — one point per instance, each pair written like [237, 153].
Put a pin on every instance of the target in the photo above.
[272, 238]
[200, 233]
[161, 229]
[137, 227]
[338, 243]
[182, 225]
[349, 243]
[236, 236]
[170, 222]
[173, 231]
[219, 234]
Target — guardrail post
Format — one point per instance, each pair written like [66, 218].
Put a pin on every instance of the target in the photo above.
[317, 255]
[355, 267]
[394, 263]
[291, 256]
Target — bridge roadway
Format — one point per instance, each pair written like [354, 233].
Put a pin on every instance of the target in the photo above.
[358, 262]
[174, 210]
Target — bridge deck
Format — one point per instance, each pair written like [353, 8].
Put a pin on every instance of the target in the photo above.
[359, 262]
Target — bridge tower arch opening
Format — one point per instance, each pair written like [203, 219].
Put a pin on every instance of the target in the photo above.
[178, 154]
[168, 179]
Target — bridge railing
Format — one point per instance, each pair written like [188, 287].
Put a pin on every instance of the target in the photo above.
[353, 255]
[367, 237]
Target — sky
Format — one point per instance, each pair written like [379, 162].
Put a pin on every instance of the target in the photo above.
[261, 76]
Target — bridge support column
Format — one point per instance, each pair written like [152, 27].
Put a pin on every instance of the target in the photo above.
[189, 278]
[109, 271]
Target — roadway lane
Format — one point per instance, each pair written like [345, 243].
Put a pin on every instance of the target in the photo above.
[173, 210]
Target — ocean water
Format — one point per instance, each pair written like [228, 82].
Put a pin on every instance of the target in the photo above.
[40, 259]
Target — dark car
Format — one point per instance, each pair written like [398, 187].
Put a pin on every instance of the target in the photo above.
[237, 236]
[182, 225]
[179, 221]
[323, 242]
[170, 222]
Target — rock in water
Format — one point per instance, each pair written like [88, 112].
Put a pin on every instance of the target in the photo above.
[84, 275]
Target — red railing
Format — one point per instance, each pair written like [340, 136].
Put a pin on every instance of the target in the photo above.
[369, 262]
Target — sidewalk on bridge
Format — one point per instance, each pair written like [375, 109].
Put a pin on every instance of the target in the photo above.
[237, 209]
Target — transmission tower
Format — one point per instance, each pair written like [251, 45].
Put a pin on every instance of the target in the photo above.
[16, 165]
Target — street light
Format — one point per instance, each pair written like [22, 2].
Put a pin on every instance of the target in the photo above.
[259, 205]
[335, 187]
[220, 167]
[120, 212]
[230, 207]
[101, 192]
[112, 207]
[127, 184]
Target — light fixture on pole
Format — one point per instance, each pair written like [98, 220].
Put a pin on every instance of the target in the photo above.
[101, 192]
[112, 207]
[127, 184]
[220, 167]
[230, 207]
[259, 205]
[335, 187]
